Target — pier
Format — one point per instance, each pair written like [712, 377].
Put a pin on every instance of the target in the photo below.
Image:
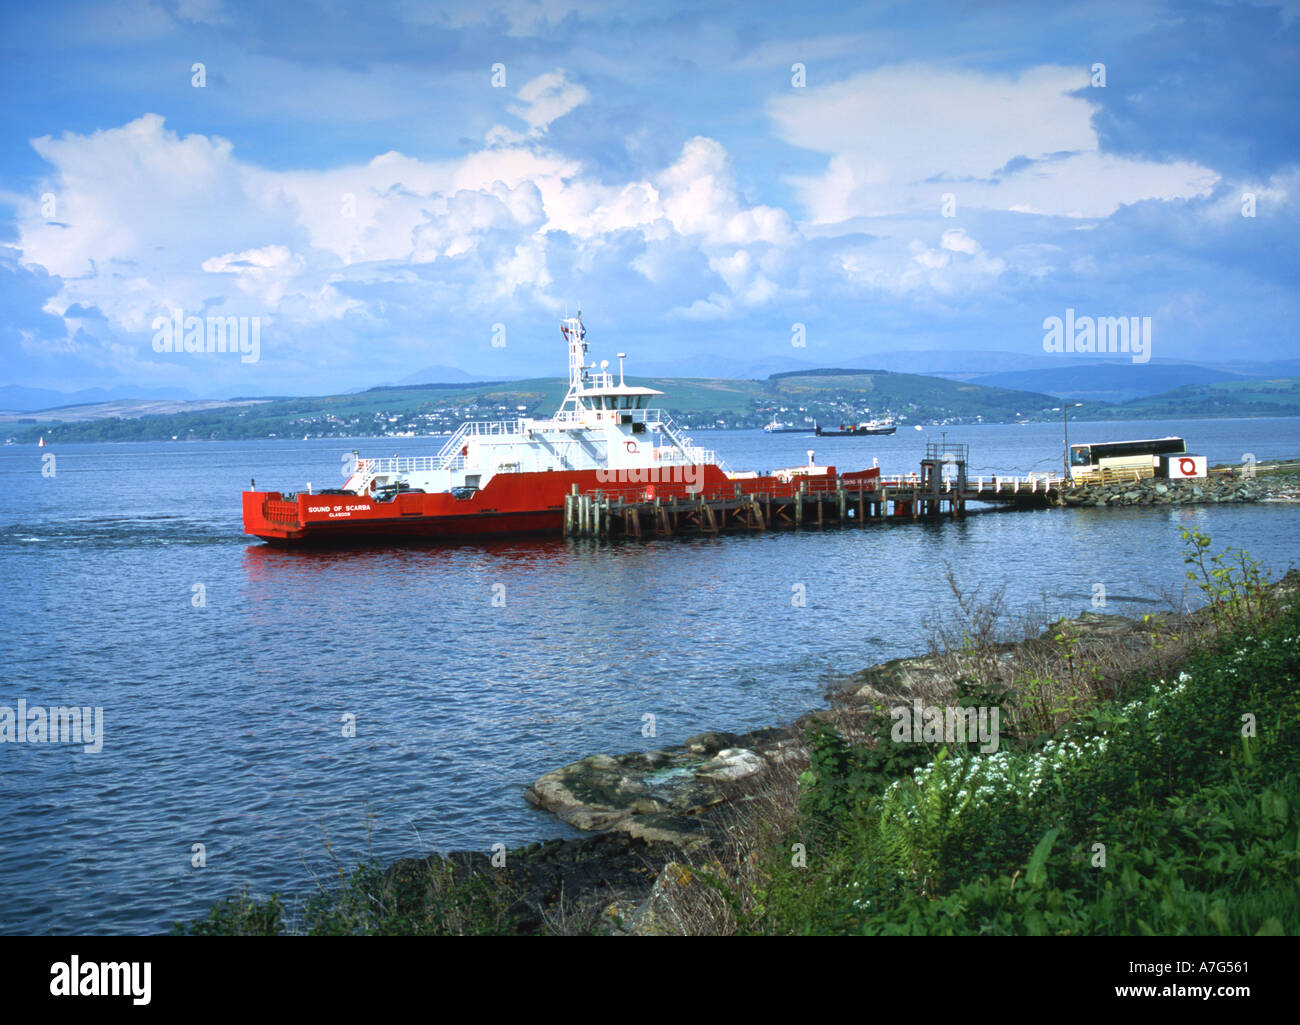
[941, 490]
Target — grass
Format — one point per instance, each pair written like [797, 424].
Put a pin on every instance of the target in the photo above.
[1159, 803]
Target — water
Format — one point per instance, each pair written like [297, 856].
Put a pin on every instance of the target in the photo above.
[224, 723]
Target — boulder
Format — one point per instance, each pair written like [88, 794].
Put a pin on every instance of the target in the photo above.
[733, 763]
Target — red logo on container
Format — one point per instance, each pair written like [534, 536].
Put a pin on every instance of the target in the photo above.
[1187, 466]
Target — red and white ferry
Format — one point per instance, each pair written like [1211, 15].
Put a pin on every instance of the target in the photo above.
[512, 476]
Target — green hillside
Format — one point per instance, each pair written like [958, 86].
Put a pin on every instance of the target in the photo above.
[1276, 397]
[829, 397]
[916, 396]
[800, 398]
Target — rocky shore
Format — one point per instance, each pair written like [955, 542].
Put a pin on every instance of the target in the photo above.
[654, 814]
[1197, 491]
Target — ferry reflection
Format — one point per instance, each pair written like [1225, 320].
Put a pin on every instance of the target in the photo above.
[263, 562]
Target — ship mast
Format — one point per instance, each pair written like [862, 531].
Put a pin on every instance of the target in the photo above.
[575, 334]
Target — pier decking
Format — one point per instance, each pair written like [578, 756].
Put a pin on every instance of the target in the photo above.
[941, 490]
[815, 503]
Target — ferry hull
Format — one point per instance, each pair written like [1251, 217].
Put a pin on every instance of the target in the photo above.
[857, 432]
[510, 504]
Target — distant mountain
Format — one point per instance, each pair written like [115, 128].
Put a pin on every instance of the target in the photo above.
[1267, 368]
[719, 367]
[1115, 381]
[120, 409]
[18, 399]
[951, 362]
[440, 374]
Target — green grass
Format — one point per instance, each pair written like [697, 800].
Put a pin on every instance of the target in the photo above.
[1162, 812]
[412, 899]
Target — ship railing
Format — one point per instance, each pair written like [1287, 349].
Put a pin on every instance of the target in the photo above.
[399, 464]
[692, 452]
[690, 455]
[453, 445]
[450, 456]
[635, 416]
[771, 487]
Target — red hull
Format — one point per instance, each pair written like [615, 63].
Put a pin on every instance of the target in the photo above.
[511, 503]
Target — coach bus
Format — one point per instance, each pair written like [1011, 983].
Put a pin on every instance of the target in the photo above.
[1122, 456]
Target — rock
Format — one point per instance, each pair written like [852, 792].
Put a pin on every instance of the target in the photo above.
[588, 794]
[1159, 491]
[659, 796]
[732, 764]
[661, 913]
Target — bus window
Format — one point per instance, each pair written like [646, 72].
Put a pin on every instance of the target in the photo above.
[1080, 456]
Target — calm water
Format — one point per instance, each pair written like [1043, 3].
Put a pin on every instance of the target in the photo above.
[223, 723]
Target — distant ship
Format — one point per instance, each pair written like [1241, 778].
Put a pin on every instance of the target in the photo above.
[515, 476]
[776, 428]
[855, 430]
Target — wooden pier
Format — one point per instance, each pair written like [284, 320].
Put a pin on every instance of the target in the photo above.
[940, 491]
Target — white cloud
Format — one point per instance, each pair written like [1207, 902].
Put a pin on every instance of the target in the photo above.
[899, 137]
[958, 241]
[548, 98]
[149, 220]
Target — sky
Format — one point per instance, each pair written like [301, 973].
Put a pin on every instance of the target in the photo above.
[391, 186]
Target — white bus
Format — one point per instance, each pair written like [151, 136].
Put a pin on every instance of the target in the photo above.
[1122, 457]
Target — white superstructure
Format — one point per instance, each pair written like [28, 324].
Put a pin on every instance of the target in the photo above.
[602, 424]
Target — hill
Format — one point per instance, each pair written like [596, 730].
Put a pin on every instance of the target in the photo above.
[1112, 382]
[800, 397]
[1277, 397]
[795, 398]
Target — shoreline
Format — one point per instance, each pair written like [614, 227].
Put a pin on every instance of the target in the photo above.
[670, 805]
[647, 815]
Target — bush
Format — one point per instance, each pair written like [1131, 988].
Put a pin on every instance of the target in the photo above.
[1174, 811]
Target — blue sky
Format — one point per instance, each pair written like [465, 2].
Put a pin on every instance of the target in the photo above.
[351, 175]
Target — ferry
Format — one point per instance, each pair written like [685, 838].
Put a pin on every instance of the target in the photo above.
[858, 430]
[514, 476]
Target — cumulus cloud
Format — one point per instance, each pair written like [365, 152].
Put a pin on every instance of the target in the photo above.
[898, 137]
[149, 220]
